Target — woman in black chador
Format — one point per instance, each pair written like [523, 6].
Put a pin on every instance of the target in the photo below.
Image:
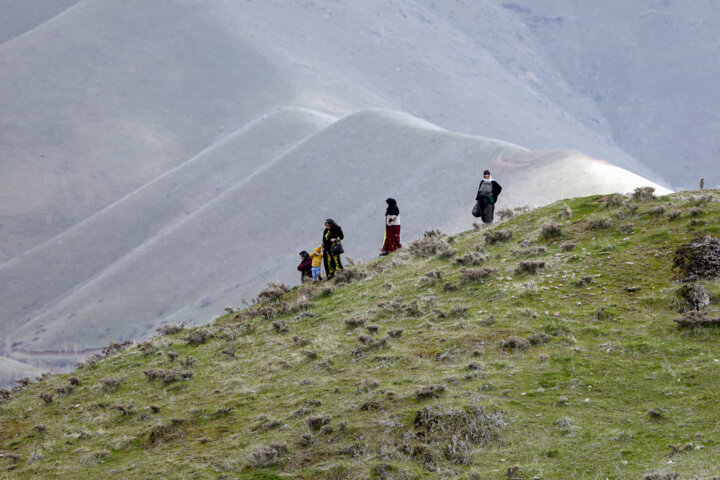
[487, 195]
[332, 236]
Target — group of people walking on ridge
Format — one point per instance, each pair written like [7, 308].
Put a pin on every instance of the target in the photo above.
[328, 253]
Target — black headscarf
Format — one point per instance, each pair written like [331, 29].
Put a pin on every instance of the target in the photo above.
[392, 207]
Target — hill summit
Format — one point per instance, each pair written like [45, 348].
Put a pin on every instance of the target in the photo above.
[578, 340]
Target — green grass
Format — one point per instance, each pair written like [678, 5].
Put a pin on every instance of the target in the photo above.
[575, 400]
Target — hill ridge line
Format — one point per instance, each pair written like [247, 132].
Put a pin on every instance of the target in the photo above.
[40, 25]
[220, 143]
[162, 233]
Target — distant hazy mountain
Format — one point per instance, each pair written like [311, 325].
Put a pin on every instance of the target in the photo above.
[161, 160]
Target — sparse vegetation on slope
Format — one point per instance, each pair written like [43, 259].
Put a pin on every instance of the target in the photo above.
[518, 356]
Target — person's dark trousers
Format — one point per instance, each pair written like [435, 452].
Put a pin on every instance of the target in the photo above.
[487, 210]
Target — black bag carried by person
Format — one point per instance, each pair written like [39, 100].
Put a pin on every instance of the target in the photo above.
[476, 210]
[337, 249]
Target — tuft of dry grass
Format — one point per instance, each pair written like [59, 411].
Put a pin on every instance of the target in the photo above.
[110, 384]
[273, 291]
[643, 194]
[471, 258]
[529, 267]
[493, 237]
[694, 319]
[280, 326]
[599, 224]
[46, 397]
[395, 333]
[198, 336]
[431, 391]
[170, 329]
[316, 422]
[354, 322]
[514, 343]
[550, 230]
[267, 455]
[469, 275]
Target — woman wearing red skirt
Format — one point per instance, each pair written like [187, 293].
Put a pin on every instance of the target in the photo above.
[392, 228]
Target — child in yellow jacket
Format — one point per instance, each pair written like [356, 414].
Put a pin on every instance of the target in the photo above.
[316, 256]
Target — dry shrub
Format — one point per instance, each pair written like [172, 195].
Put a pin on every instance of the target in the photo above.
[324, 291]
[373, 328]
[583, 282]
[655, 412]
[368, 343]
[447, 254]
[539, 339]
[565, 424]
[167, 376]
[613, 200]
[693, 296]
[110, 384]
[280, 326]
[657, 211]
[498, 236]
[627, 228]
[187, 362]
[699, 200]
[642, 194]
[514, 343]
[267, 455]
[471, 258]
[354, 322]
[74, 381]
[46, 397]
[431, 243]
[456, 431]
[273, 291]
[599, 224]
[695, 212]
[198, 336]
[673, 214]
[565, 212]
[349, 275]
[469, 275]
[505, 214]
[698, 259]
[316, 422]
[694, 319]
[126, 409]
[395, 333]
[115, 347]
[170, 329]
[430, 278]
[550, 230]
[567, 246]
[431, 391]
[662, 476]
[164, 433]
[310, 354]
[366, 385]
[147, 347]
[65, 390]
[411, 308]
[530, 267]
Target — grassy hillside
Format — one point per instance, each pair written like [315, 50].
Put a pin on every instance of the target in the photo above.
[543, 347]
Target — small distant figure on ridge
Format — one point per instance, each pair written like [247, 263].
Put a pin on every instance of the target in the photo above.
[317, 257]
[332, 247]
[487, 195]
[305, 267]
[392, 228]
